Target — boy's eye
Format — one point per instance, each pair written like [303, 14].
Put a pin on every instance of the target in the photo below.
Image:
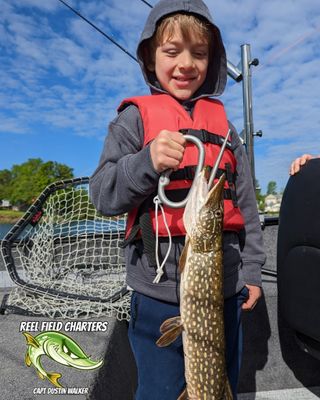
[200, 54]
[171, 52]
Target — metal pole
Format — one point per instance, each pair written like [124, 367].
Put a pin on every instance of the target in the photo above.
[247, 106]
[234, 72]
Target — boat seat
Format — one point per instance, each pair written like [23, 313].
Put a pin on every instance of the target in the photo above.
[298, 256]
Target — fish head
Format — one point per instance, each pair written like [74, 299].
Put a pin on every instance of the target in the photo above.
[210, 219]
[64, 350]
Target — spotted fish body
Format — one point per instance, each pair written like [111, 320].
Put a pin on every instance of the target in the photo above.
[201, 304]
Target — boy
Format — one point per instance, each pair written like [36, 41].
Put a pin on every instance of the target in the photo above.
[183, 61]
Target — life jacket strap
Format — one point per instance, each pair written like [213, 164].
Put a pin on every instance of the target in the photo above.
[207, 137]
[143, 224]
[180, 194]
[188, 172]
[230, 177]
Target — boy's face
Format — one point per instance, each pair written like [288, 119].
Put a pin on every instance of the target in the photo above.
[181, 66]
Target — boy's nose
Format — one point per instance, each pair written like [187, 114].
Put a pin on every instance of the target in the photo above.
[186, 60]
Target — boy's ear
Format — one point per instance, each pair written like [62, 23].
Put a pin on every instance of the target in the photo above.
[150, 67]
[148, 58]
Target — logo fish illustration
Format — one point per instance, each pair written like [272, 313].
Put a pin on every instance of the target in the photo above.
[60, 348]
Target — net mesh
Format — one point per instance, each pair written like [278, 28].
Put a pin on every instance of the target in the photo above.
[69, 257]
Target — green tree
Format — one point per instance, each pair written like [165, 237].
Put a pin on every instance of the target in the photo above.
[29, 179]
[272, 187]
[5, 184]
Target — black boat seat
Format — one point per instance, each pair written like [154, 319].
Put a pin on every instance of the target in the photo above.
[298, 256]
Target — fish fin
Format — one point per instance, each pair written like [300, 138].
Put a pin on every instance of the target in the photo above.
[183, 256]
[27, 359]
[40, 375]
[170, 336]
[183, 395]
[31, 340]
[53, 378]
[170, 323]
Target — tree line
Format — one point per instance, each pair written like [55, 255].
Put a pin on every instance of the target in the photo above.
[23, 183]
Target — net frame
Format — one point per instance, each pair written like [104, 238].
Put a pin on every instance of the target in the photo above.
[95, 302]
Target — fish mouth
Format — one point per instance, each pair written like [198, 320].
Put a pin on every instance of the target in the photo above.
[219, 186]
[216, 192]
[70, 354]
[85, 363]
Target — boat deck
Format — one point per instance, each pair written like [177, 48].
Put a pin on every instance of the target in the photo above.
[274, 367]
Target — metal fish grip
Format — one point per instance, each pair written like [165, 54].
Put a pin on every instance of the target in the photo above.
[165, 176]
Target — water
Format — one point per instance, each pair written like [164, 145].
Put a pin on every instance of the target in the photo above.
[4, 229]
[87, 227]
[77, 227]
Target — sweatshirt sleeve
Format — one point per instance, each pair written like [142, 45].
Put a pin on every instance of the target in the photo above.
[253, 255]
[125, 176]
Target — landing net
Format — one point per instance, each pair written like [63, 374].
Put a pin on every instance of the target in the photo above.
[66, 258]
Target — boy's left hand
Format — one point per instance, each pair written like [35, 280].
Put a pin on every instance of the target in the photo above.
[254, 295]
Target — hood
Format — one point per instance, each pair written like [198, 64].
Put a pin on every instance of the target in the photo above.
[217, 70]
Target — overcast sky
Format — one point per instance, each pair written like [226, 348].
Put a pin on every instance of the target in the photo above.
[61, 81]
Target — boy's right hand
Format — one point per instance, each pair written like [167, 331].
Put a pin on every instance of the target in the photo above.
[167, 150]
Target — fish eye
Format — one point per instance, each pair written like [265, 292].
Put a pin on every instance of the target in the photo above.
[218, 213]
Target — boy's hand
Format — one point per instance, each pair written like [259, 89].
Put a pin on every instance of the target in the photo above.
[298, 163]
[254, 295]
[167, 150]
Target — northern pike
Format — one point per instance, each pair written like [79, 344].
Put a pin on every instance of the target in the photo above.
[201, 298]
[60, 348]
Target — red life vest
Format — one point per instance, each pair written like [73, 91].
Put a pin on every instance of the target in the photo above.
[162, 111]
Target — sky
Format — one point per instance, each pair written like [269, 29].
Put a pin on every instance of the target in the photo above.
[61, 81]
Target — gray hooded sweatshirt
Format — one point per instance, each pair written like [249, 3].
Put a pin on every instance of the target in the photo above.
[125, 177]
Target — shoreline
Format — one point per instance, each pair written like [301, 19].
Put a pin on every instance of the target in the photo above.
[10, 217]
[11, 221]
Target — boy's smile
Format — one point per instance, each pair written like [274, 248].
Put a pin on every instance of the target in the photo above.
[181, 65]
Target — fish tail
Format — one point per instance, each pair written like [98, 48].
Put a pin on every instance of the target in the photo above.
[53, 378]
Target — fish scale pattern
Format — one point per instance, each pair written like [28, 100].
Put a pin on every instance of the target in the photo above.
[202, 305]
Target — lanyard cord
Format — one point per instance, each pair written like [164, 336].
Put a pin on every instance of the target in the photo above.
[160, 267]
